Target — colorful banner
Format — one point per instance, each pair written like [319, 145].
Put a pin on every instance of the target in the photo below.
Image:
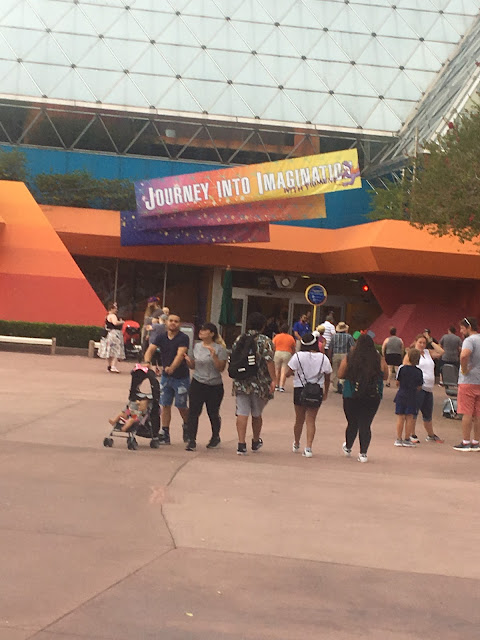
[272, 210]
[285, 179]
[131, 234]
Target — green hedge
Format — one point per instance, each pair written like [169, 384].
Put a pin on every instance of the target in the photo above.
[67, 335]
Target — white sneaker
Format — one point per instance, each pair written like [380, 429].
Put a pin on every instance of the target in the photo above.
[307, 453]
[347, 452]
[398, 442]
[295, 448]
[362, 457]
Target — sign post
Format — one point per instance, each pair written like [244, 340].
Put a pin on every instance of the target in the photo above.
[316, 295]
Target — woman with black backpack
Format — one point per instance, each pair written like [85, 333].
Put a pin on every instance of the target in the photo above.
[364, 371]
[312, 371]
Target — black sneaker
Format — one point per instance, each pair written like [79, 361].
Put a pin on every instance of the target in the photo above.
[242, 449]
[191, 446]
[214, 442]
[185, 433]
[256, 445]
[155, 443]
[165, 435]
[463, 447]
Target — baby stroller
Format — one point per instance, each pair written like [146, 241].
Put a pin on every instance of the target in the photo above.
[450, 384]
[131, 339]
[148, 424]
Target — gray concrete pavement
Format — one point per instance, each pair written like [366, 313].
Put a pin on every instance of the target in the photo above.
[109, 544]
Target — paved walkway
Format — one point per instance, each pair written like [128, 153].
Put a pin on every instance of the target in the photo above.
[111, 544]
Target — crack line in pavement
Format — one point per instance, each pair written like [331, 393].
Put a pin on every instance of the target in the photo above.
[177, 470]
[100, 593]
[46, 415]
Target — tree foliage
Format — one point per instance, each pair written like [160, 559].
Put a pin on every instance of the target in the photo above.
[440, 190]
[81, 189]
[13, 165]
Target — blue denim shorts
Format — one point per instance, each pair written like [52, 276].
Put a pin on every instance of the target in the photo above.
[171, 388]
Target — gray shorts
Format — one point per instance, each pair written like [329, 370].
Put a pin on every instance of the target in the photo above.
[249, 403]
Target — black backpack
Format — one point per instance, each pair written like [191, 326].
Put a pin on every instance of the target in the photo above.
[242, 363]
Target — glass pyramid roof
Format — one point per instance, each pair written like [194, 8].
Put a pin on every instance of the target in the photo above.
[336, 64]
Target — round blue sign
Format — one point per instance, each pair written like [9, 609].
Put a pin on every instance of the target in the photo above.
[316, 294]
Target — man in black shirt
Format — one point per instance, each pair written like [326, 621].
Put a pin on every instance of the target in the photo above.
[175, 380]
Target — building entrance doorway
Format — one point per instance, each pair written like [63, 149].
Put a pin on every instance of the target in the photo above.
[270, 307]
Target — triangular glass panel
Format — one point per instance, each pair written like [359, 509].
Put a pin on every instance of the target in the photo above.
[72, 87]
[326, 49]
[75, 48]
[19, 82]
[347, 21]
[420, 22]
[177, 32]
[100, 83]
[100, 57]
[296, 14]
[6, 52]
[277, 44]
[126, 28]
[75, 22]
[382, 119]
[443, 31]
[422, 79]
[330, 73]
[179, 98]
[53, 12]
[354, 82]
[153, 88]
[225, 37]
[443, 51]
[333, 113]
[230, 103]
[282, 69]
[154, 22]
[204, 8]
[371, 17]
[203, 67]
[326, 11]
[375, 54]
[354, 108]
[401, 108]
[231, 63]
[21, 41]
[305, 78]
[423, 59]
[253, 72]
[22, 16]
[402, 87]
[352, 45]
[47, 50]
[6, 7]
[257, 100]
[152, 63]
[102, 17]
[126, 93]
[302, 39]
[282, 108]
[128, 52]
[308, 102]
[249, 11]
[46, 76]
[395, 27]
[253, 34]
[171, 57]
[460, 23]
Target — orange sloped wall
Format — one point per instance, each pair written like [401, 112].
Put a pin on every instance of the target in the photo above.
[39, 280]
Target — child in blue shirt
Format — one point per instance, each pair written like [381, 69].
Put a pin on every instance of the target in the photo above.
[409, 381]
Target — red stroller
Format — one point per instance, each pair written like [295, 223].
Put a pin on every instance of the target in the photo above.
[131, 339]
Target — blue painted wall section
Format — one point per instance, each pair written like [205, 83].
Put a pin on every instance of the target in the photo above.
[344, 209]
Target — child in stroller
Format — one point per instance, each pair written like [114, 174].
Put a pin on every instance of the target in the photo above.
[141, 417]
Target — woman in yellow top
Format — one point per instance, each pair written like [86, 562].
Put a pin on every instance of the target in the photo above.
[285, 345]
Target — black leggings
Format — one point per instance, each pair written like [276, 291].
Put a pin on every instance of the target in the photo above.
[360, 415]
[200, 394]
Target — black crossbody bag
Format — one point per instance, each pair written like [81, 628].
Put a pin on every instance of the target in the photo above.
[311, 395]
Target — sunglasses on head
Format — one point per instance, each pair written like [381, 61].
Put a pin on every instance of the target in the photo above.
[465, 320]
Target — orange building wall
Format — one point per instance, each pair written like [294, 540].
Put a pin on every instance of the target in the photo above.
[39, 280]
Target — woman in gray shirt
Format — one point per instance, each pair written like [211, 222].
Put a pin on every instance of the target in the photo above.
[208, 362]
